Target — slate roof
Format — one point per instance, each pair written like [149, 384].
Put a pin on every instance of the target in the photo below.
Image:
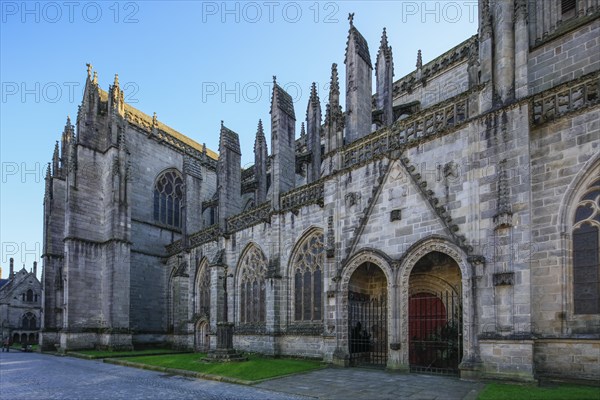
[284, 102]
[229, 139]
[360, 43]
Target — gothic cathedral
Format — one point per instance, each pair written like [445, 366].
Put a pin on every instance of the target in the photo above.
[450, 222]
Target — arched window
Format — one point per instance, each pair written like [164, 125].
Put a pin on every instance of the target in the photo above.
[307, 273]
[586, 252]
[253, 269]
[168, 198]
[29, 321]
[203, 290]
[30, 295]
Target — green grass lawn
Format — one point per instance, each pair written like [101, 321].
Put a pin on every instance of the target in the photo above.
[106, 353]
[256, 368]
[18, 346]
[498, 391]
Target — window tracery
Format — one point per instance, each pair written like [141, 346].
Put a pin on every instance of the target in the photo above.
[168, 198]
[252, 286]
[586, 252]
[307, 272]
[203, 288]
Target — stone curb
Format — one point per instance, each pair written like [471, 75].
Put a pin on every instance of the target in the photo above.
[80, 355]
[93, 357]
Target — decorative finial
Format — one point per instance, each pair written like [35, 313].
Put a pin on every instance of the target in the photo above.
[419, 60]
[334, 84]
[351, 19]
[274, 79]
[302, 130]
[313, 92]
[89, 69]
[222, 123]
[204, 148]
[95, 80]
[260, 127]
[116, 83]
[384, 38]
[154, 120]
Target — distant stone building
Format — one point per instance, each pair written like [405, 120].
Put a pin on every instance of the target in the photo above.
[448, 223]
[20, 306]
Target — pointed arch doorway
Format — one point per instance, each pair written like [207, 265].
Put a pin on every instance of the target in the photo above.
[435, 315]
[367, 316]
[202, 336]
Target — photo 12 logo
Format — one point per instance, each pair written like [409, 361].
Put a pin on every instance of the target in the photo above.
[439, 11]
[53, 12]
[21, 253]
[253, 92]
[23, 172]
[54, 92]
[253, 12]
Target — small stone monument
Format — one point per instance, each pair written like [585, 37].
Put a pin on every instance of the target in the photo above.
[224, 351]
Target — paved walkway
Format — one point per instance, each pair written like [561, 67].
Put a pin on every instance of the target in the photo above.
[42, 376]
[355, 383]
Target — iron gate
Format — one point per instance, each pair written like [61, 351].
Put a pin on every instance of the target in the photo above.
[367, 330]
[435, 333]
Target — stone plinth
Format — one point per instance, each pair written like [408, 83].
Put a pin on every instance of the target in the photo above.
[224, 351]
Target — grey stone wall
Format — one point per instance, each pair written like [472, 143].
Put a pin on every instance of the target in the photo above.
[564, 154]
[572, 359]
[441, 86]
[567, 57]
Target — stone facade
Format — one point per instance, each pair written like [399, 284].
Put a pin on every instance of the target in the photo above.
[20, 306]
[467, 195]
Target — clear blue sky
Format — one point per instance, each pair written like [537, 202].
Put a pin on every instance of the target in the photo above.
[193, 63]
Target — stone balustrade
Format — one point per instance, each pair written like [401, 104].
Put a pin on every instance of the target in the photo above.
[569, 97]
[305, 195]
[254, 216]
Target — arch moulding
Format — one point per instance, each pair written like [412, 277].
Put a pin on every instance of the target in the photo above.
[414, 254]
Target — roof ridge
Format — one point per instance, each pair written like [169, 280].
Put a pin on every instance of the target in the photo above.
[164, 127]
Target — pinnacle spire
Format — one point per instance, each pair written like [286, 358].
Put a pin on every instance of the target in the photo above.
[260, 131]
[116, 82]
[302, 130]
[385, 50]
[55, 160]
[384, 40]
[419, 60]
[351, 19]
[334, 84]
[68, 125]
[89, 70]
[314, 97]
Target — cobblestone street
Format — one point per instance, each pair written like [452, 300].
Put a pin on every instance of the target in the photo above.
[42, 376]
